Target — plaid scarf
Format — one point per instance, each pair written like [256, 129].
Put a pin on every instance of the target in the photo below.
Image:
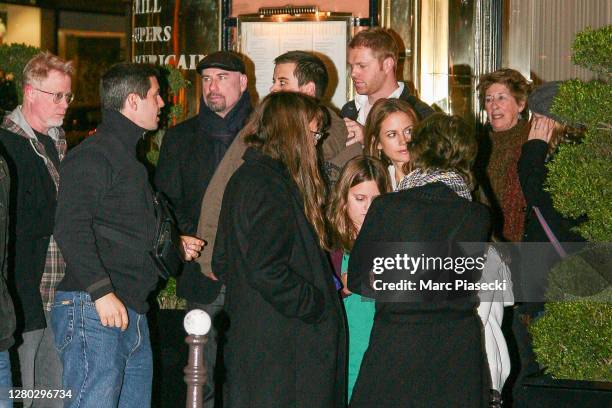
[55, 266]
[452, 179]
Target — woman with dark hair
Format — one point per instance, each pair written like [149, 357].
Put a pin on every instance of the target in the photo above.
[503, 94]
[426, 353]
[388, 131]
[286, 341]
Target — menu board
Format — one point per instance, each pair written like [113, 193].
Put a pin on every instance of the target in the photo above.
[262, 41]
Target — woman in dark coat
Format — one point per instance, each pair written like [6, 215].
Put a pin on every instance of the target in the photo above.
[286, 341]
[425, 353]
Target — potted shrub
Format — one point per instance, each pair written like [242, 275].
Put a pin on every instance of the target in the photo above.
[573, 338]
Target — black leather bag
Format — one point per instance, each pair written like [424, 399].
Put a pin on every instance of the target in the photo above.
[168, 251]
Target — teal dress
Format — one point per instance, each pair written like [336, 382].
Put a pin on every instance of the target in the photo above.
[360, 318]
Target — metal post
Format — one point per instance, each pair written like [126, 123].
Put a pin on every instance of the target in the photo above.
[197, 324]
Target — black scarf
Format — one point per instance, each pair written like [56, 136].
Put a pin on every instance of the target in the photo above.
[222, 131]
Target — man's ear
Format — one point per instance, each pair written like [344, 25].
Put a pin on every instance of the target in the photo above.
[28, 91]
[244, 81]
[131, 102]
[389, 65]
[309, 89]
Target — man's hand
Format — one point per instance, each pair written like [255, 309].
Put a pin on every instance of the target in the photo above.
[192, 246]
[541, 128]
[356, 132]
[112, 312]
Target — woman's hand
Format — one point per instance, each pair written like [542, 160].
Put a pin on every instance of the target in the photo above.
[541, 128]
[192, 246]
[345, 291]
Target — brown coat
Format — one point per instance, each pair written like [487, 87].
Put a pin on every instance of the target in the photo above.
[334, 150]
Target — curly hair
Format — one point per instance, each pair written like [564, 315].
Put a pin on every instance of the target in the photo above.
[516, 83]
[445, 142]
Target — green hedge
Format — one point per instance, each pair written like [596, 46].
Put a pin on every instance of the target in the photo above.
[573, 338]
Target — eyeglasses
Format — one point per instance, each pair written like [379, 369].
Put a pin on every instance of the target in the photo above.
[317, 135]
[58, 96]
[499, 98]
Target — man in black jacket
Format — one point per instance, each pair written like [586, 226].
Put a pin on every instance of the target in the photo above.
[105, 227]
[35, 145]
[189, 156]
[372, 58]
[7, 312]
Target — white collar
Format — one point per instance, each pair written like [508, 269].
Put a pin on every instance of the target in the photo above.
[363, 104]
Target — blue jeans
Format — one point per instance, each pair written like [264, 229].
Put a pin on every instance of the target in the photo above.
[5, 379]
[103, 366]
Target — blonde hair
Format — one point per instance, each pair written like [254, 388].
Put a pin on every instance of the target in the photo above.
[356, 171]
[38, 67]
[279, 128]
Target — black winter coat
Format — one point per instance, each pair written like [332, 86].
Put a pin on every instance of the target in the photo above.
[422, 354]
[106, 221]
[189, 156]
[532, 173]
[7, 312]
[32, 217]
[286, 341]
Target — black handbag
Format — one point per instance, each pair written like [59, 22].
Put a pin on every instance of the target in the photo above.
[168, 251]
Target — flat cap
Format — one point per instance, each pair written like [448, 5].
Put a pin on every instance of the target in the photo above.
[227, 60]
[541, 99]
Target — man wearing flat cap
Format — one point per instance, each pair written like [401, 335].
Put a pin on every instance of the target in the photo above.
[189, 156]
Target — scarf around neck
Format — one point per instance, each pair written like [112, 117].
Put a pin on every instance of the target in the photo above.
[451, 179]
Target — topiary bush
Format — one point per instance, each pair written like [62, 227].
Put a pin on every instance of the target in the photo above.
[573, 339]
[13, 58]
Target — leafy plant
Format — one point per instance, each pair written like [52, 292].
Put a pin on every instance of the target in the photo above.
[13, 58]
[573, 339]
[167, 298]
[174, 83]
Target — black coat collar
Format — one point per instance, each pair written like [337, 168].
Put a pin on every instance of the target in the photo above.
[121, 128]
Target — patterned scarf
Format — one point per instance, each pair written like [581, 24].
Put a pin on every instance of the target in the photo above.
[452, 179]
[55, 266]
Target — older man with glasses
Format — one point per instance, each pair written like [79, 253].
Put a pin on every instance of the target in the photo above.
[34, 145]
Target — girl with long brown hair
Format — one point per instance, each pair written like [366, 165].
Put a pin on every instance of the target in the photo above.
[362, 179]
[285, 345]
